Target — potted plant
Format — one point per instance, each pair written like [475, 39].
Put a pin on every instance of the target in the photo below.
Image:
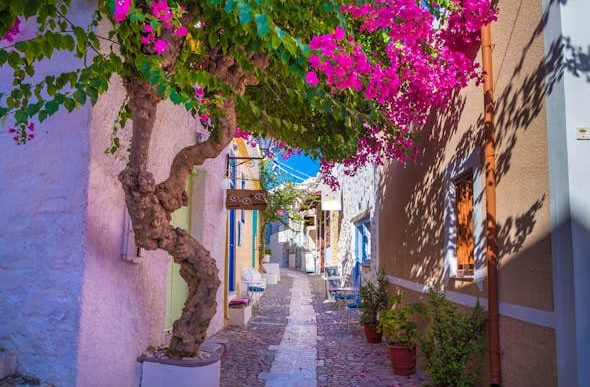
[373, 301]
[401, 334]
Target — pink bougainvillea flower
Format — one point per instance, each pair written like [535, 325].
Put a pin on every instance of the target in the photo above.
[204, 118]
[339, 33]
[11, 130]
[160, 46]
[199, 92]
[148, 29]
[121, 10]
[12, 32]
[161, 10]
[31, 127]
[312, 78]
[422, 64]
[181, 31]
[280, 212]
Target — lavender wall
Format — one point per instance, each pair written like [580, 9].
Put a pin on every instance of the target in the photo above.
[123, 303]
[43, 202]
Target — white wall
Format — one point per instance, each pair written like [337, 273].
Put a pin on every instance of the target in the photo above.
[566, 38]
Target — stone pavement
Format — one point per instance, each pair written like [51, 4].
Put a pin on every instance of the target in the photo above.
[294, 364]
[296, 339]
[344, 356]
[251, 350]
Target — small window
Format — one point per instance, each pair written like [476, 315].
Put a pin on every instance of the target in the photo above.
[464, 211]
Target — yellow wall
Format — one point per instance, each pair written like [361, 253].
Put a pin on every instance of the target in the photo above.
[250, 172]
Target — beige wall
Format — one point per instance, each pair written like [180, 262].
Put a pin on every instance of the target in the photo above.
[411, 220]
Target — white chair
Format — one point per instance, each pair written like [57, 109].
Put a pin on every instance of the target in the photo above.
[252, 284]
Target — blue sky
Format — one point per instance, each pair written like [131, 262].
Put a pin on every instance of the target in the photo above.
[298, 165]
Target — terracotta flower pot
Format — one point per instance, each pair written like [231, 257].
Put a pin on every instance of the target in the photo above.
[373, 336]
[403, 359]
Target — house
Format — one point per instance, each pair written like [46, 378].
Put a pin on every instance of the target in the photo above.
[243, 225]
[79, 303]
[433, 213]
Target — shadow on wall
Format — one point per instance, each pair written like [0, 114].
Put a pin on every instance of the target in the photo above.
[418, 189]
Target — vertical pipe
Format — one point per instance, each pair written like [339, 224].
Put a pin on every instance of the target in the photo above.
[491, 243]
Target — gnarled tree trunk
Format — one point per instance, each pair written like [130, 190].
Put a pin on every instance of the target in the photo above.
[150, 205]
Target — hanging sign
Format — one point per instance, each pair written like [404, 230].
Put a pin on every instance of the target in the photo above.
[246, 199]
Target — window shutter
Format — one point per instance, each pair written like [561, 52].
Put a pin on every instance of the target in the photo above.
[465, 241]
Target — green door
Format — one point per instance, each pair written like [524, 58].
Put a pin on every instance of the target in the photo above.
[177, 288]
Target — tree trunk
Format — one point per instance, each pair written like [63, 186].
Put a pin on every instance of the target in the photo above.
[150, 207]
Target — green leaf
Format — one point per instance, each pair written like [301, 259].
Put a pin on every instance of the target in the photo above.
[213, 38]
[80, 97]
[175, 97]
[280, 33]
[262, 24]
[51, 107]
[230, 5]
[245, 12]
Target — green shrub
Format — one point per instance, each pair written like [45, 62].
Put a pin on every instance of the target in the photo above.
[267, 251]
[397, 322]
[373, 300]
[452, 342]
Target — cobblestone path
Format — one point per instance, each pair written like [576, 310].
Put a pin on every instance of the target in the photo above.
[295, 362]
[345, 359]
[295, 339]
[251, 350]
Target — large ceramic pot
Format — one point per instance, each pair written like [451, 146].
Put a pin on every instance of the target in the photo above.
[373, 336]
[190, 372]
[403, 359]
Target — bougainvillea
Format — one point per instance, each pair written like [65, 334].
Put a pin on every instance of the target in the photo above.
[419, 60]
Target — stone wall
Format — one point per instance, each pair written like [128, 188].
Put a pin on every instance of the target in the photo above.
[358, 201]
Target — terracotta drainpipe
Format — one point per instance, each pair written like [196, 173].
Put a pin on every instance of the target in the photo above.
[490, 168]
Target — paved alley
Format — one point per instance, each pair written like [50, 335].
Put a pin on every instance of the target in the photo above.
[294, 339]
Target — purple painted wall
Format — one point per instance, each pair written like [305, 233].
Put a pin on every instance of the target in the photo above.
[43, 201]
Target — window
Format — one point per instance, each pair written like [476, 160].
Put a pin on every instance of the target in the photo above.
[464, 220]
[363, 240]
